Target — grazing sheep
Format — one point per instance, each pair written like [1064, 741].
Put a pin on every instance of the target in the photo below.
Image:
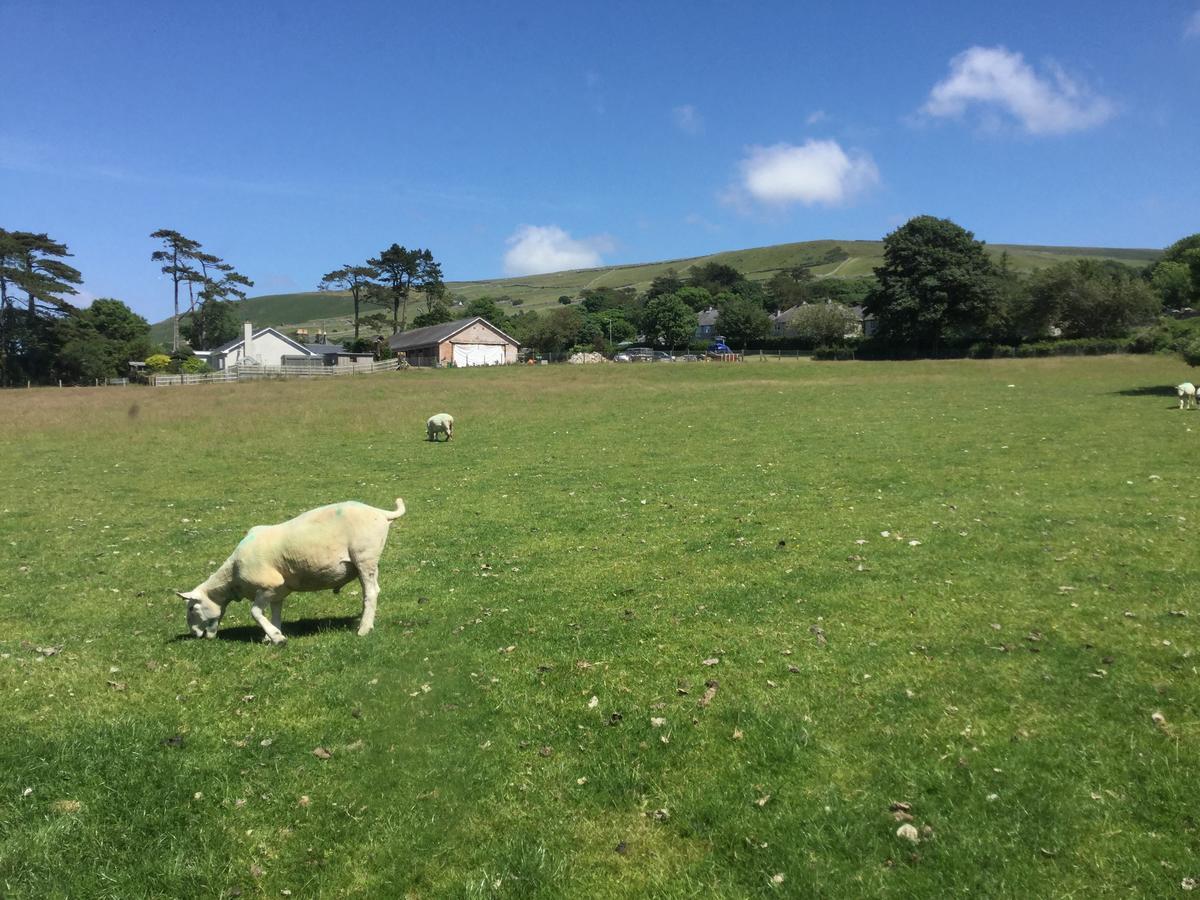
[442, 423]
[323, 548]
[1187, 395]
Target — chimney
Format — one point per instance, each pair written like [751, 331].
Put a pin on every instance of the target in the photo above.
[248, 338]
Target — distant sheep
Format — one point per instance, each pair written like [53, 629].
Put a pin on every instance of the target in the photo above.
[1187, 395]
[442, 423]
[323, 548]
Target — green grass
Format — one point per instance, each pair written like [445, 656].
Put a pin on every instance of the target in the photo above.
[600, 532]
[334, 310]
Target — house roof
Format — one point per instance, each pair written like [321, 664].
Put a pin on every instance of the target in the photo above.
[708, 316]
[237, 342]
[325, 349]
[435, 334]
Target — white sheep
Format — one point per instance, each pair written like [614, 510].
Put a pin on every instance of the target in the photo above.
[323, 548]
[1187, 395]
[442, 423]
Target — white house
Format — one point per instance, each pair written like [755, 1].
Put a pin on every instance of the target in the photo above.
[265, 347]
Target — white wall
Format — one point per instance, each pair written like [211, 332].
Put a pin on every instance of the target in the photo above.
[268, 350]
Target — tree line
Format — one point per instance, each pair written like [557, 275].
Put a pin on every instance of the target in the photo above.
[938, 292]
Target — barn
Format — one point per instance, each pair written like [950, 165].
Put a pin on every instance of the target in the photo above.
[464, 342]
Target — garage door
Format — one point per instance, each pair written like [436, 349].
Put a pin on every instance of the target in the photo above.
[479, 354]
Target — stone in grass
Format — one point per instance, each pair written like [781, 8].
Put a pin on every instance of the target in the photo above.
[322, 753]
[908, 833]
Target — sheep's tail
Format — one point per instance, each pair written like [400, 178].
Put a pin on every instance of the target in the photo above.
[399, 511]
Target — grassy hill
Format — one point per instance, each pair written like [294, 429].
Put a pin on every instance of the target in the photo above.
[848, 259]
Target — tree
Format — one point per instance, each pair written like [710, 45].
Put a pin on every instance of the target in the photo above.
[436, 316]
[667, 320]
[212, 324]
[557, 331]
[936, 285]
[1086, 298]
[697, 298]
[485, 307]
[1173, 281]
[667, 283]
[177, 254]
[1167, 276]
[33, 264]
[564, 300]
[353, 279]
[601, 298]
[98, 342]
[788, 288]
[741, 321]
[822, 324]
[715, 277]
[398, 268]
[613, 326]
[429, 281]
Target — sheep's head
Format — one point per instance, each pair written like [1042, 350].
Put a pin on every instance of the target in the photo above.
[203, 615]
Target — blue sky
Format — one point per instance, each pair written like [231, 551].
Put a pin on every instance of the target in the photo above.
[291, 138]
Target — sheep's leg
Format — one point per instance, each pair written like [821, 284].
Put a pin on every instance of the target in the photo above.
[275, 598]
[368, 576]
[277, 612]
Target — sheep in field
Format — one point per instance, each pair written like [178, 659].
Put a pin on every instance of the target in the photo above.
[442, 423]
[1187, 395]
[323, 548]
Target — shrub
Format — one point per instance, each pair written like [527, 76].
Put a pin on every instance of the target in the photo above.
[194, 365]
[159, 362]
[1191, 352]
[833, 353]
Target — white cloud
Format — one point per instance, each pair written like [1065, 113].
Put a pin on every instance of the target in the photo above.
[815, 117]
[817, 172]
[1043, 104]
[534, 249]
[687, 119]
[1192, 29]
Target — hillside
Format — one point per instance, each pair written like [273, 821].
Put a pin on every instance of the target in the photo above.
[333, 310]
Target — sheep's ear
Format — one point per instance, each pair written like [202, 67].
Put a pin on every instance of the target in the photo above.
[186, 598]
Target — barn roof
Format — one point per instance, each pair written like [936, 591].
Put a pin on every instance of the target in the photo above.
[435, 334]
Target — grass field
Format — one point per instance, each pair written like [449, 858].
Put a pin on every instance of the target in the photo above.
[958, 585]
[334, 311]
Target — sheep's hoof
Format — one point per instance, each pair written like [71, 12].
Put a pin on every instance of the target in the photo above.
[363, 632]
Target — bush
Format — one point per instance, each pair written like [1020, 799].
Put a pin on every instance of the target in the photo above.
[833, 353]
[159, 362]
[1191, 352]
[194, 365]
[987, 350]
[1075, 347]
[1165, 335]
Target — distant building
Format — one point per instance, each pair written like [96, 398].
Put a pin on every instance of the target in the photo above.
[268, 347]
[327, 355]
[706, 327]
[463, 342]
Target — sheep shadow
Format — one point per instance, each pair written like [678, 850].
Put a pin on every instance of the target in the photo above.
[1152, 390]
[252, 634]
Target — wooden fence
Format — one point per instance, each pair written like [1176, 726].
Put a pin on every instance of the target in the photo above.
[250, 373]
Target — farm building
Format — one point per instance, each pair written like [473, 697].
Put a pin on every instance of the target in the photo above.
[326, 355]
[465, 342]
[268, 347]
